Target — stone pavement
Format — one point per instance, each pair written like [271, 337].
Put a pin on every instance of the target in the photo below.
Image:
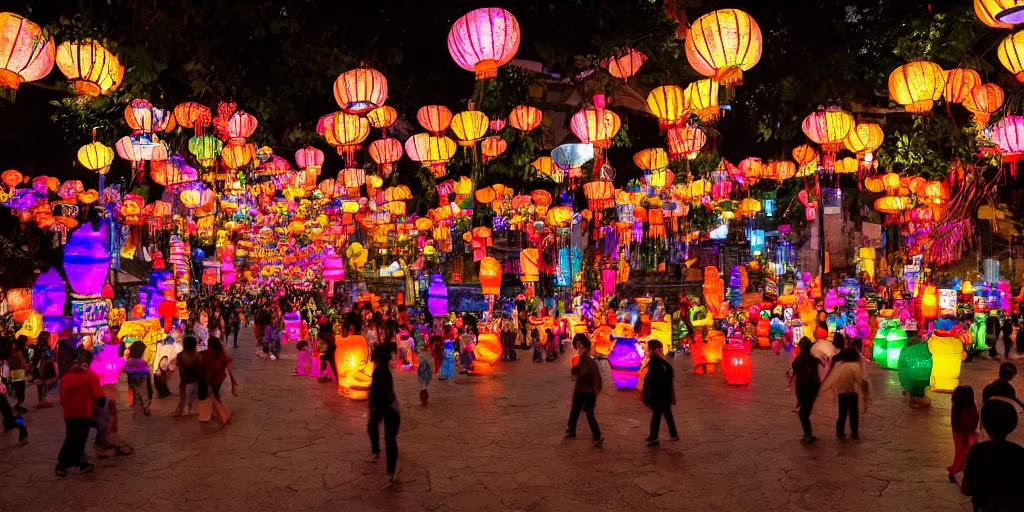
[495, 442]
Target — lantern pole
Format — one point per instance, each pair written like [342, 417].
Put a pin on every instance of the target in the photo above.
[825, 282]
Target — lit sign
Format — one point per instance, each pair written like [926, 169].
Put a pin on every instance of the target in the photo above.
[89, 315]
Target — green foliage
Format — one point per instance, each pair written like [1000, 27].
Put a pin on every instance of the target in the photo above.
[928, 148]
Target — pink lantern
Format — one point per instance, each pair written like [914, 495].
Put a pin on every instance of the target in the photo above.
[1008, 133]
[484, 39]
[609, 277]
[309, 157]
[241, 125]
[721, 190]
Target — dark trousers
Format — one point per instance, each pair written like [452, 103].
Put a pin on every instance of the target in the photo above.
[848, 404]
[657, 411]
[806, 399]
[1007, 346]
[7, 413]
[19, 391]
[584, 402]
[234, 332]
[392, 420]
[329, 357]
[76, 434]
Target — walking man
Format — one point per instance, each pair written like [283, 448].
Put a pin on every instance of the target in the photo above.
[80, 390]
[384, 406]
[659, 392]
[588, 385]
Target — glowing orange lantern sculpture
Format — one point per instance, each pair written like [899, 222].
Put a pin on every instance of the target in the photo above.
[525, 118]
[983, 101]
[1011, 54]
[484, 39]
[90, 67]
[917, 85]
[360, 90]
[385, 153]
[236, 155]
[434, 118]
[490, 276]
[959, 82]
[26, 52]
[559, 216]
[668, 104]
[828, 128]
[714, 291]
[469, 126]
[625, 64]
[723, 44]
[488, 348]
[592, 130]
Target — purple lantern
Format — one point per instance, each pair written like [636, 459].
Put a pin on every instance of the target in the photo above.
[293, 326]
[86, 260]
[625, 361]
[437, 296]
[49, 293]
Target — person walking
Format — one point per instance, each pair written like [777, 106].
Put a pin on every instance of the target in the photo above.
[190, 371]
[994, 471]
[19, 373]
[659, 393]
[1007, 331]
[805, 372]
[964, 420]
[138, 372]
[384, 406]
[585, 390]
[848, 382]
[80, 391]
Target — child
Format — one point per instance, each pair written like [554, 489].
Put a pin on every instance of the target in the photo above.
[424, 372]
[46, 376]
[697, 357]
[448, 366]
[272, 341]
[535, 342]
[137, 370]
[964, 419]
[552, 347]
[993, 472]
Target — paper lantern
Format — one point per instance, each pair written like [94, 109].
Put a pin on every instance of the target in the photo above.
[827, 128]
[889, 342]
[488, 348]
[469, 126]
[559, 216]
[625, 64]
[309, 157]
[525, 118]
[385, 153]
[142, 117]
[599, 194]
[917, 85]
[737, 366]
[701, 98]
[26, 52]
[490, 276]
[206, 148]
[915, 369]
[930, 302]
[90, 67]
[493, 147]
[484, 39]
[947, 355]
[987, 10]
[344, 131]
[19, 301]
[723, 44]
[570, 156]
[714, 346]
[625, 362]
[96, 157]
[192, 115]
[864, 138]
[685, 142]
[236, 155]
[382, 117]
[1008, 133]
[49, 293]
[240, 125]
[983, 101]
[86, 260]
[959, 83]
[529, 265]
[360, 90]
[594, 128]
[668, 104]
[432, 151]
[435, 118]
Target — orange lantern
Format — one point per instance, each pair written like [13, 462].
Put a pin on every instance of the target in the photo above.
[559, 216]
[599, 194]
[625, 64]
[191, 115]
[525, 118]
[874, 184]
[959, 83]
[541, 197]
[529, 264]
[667, 103]
[485, 195]
[493, 147]
[990, 12]
[685, 142]
[19, 301]
[804, 154]
[385, 153]
[469, 126]
[431, 151]
[236, 155]
[892, 204]
[702, 99]
[983, 101]
[345, 132]
[591, 130]
[917, 85]
[424, 224]
[930, 302]
[434, 118]
[90, 67]
[779, 170]
[360, 90]
[651, 159]
[26, 52]
[382, 117]
[488, 348]
[12, 178]
[723, 44]
[490, 276]
[846, 166]
[891, 182]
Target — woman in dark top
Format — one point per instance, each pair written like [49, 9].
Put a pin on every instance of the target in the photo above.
[384, 406]
[805, 371]
[1007, 339]
[190, 371]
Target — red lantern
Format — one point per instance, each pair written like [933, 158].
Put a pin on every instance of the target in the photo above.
[737, 366]
[490, 276]
[385, 153]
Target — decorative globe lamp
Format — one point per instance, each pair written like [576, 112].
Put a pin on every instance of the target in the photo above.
[889, 342]
[915, 370]
[86, 260]
[625, 361]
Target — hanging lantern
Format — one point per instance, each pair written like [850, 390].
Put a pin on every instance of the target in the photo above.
[240, 126]
[778, 170]
[599, 194]
[382, 117]
[917, 85]
[437, 296]
[484, 39]
[206, 148]
[568, 158]
[874, 184]
[360, 90]
[434, 118]
[559, 216]
[723, 44]
[90, 67]
[385, 153]
[490, 276]
[651, 159]
[804, 154]
[667, 103]
[983, 101]
[525, 118]
[431, 151]
[685, 142]
[529, 265]
[309, 158]
[864, 139]
[96, 157]
[192, 115]
[701, 98]
[846, 166]
[828, 128]
[625, 64]
[544, 165]
[236, 155]
[345, 132]
[892, 204]
[591, 130]
[959, 82]
[1008, 134]
[987, 10]
[86, 260]
[26, 52]
[493, 147]
[469, 126]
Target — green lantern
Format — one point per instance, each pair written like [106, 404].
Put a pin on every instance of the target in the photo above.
[915, 369]
[205, 148]
[889, 342]
[979, 331]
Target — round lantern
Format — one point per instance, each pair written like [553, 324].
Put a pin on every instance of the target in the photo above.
[236, 155]
[96, 157]
[737, 366]
[625, 362]
[431, 151]
[959, 82]
[917, 85]
[385, 153]
[947, 354]
[344, 131]
[192, 115]
[27, 52]
[983, 101]
[490, 276]
[559, 216]
[240, 125]
[360, 90]
[864, 138]
[525, 118]
[1011, 54]
[142, 117]
[484, 39]
[596, 127]
[779, 170]
[488, 348]
[685, 142]
[493, 147]
[469, 126]
[1008, 133]
[205, 148]
[702, 99]
[90, 67]
[827, 128]
[309, 157]
[723, 44]
[915, 369]
[987, 10]
[86, 260]
[434, 118]
[625, 64]
[889, 342]
[19, 301]
[668, 104]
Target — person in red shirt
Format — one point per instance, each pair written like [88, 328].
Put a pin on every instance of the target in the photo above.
[80, 390]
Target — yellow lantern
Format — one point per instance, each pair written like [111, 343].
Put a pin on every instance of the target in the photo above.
[947, 355]
[382, 117]
[959, 82]
[668, 104]
[464, 186]
[864, 138]
[804, 154]
[424, 224]
[892, 204]
[702, 98]
[485, 195]
[723, 44]
[1011, 54]
[993, 12]
[191, 198]
[685, 141]
[750, 205]
[891, 182]
[983, 101]
[90, 67]
[917, 85]
[651, 159]
[559, 216]
[874, 184]
[469, 126]
[846, 166]
[529, 264]
[434, 118]
[96, 157]
[827, 128]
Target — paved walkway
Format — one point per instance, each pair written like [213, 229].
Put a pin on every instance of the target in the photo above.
[494, 442]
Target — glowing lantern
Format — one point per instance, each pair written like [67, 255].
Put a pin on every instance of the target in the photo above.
[874, 184]
[750, 206]
[49, 293]
[959, 83]
[142, 117]
[346, 132]
[192, 115]
[529, 264]
[352, 178]
[191, 198]
[827, 128]
[892, 204]
[559, 216]
[930, 302]
[701, 98]
[864, 139]
[804, 154]
[569, 158]
[1008, 133]
[737, 365]
[490, 276]
[779, 170]
[236, 155]
[625, 362]
[431, 151]
[625, 64]
[434, 118]
[668, 104]
[599, 194]
[90, 67]
[947, 354]
[385, 153]
[917, 85]
[685, 142]
[309, 158]
[493, 147]
[983, 101]
[846, 166]
[205, 148]
[915, 370]
[19, 301]
[360, 90]
[12, 178]
[484, 39]
[525, 118]
[469, 126]
[86, 260]
[591, 130]
[651, 159]
[382, 117]
[96, 157]
[240, 126]
[26, 52]
[723, 44]
[889, 342]
[488, 348]
[988, 10]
